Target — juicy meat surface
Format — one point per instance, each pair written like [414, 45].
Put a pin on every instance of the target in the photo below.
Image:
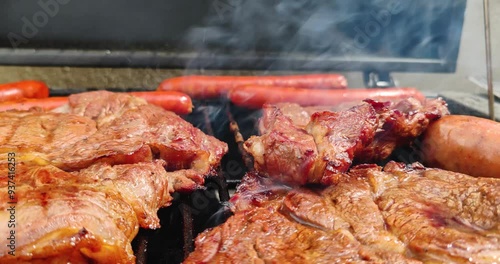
[102, 106]
[301, 115]
[401, 214]
[91, 215]
[400, 123]
[90, 173]
[285, 151]
[330, 142]
[340, 136]
[112, 128]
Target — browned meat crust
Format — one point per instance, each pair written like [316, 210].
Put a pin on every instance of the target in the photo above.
[403, 214]
[301, 115]
[327, 146]
[400, 124]
[92, 215]
[286, 152]
[339, 137]
[93, 171]
[111, 128]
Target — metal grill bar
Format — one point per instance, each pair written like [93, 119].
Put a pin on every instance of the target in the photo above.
[238, 137]
[187, 227]
[142, 247]
[489, 70]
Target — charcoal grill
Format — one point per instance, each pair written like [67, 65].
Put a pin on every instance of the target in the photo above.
[198, 35]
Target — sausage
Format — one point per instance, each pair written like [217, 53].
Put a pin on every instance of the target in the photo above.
[464, 144]
[257, 96]
[174, 101]
[48, 103]
[10, 94]
[23, 89]
[204, 87]
[177, 102]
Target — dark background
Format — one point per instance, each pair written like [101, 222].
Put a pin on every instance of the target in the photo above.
[238, 33]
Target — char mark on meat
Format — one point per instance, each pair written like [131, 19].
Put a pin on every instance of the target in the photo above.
[368, 132]
[340, 136]
[285, 151]
[400, 124]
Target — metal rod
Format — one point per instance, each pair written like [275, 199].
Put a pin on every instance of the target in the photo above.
[187, 227]
[489, 72]
[142, 247]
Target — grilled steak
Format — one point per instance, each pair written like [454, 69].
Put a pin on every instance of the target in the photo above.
[90, 173]
[92, 215]
[106, 127]
[331, 141]
[401, 214]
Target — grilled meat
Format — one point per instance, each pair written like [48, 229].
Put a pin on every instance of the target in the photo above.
[286, 152]
[301, 115]
[339, 137]
[401, 214]
[90, 173]
[85, 216]
[101, 106]
[327, 146]
[400, 123]
[111, 128]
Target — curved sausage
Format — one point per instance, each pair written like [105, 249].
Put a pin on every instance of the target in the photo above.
[256, 96]
[203, 87]
[464, 144]
[48, 103]
[23, 89]
[176, 102]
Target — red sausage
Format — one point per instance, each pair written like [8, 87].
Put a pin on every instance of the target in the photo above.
[203, 87]
[256, 96]
[23, 89]
[177, 102]
[173, 101]
[464, 144]
[48, 103]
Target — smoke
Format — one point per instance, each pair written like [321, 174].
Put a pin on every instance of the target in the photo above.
[307, 33]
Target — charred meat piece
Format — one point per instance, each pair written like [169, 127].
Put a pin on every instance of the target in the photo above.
[400, 124]
[86, 216]
[301, 115]
[401, 214]
[317, 154]
[101, 106]
[441, 215]
[111, 128]
[167, 135]
[340, 136]
[367, 132]
[285, 152]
